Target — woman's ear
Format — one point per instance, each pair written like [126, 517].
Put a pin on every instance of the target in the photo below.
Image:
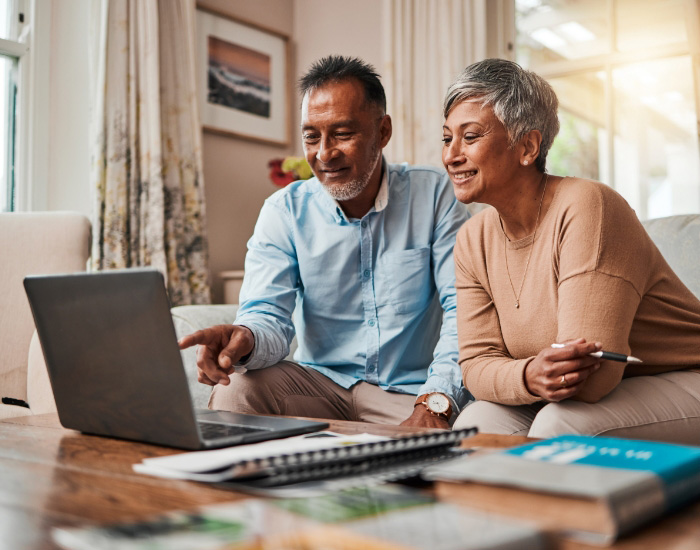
[530, 147]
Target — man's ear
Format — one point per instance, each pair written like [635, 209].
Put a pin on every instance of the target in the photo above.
[385, 131]
[530, 147]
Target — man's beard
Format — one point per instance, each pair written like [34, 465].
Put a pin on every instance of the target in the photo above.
[353, 188]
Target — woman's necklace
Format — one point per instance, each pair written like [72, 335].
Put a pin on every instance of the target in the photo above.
[545, 177]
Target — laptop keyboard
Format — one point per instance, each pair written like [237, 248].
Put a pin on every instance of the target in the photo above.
[213, 430]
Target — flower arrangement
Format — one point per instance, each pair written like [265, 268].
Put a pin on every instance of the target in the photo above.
[285, 171]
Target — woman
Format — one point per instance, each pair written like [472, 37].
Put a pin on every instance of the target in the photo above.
[558, 260]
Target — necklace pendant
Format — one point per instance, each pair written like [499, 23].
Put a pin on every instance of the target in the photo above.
[517, 304]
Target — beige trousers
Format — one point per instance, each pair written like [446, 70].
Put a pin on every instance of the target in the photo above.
[288, 388]
[664, 407]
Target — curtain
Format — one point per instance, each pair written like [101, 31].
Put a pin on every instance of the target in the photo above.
[147, 163]
[427, 43]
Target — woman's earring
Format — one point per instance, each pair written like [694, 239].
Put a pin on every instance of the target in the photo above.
[524, 163]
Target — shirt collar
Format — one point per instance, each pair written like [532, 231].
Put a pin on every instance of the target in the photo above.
[380, 201]
[383, 194]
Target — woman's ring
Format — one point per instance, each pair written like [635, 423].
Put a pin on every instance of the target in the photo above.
[563, 381]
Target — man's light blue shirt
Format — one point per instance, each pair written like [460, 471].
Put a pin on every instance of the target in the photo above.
[373, 298]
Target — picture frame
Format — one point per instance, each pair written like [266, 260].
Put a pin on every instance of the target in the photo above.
[242, 79]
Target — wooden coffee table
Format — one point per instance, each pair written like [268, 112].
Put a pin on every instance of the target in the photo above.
[50, 476]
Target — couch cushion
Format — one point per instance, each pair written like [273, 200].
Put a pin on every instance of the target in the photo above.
[678, 239]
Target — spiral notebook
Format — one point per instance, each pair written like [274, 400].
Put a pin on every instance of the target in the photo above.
[322, 461]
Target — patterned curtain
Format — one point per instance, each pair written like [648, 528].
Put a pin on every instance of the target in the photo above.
[147, 162]
[426, 45]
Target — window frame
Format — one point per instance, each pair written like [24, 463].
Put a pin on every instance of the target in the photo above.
[608, 62]
[15, 51]
[32, 52]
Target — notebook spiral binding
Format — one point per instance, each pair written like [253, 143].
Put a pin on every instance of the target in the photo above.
[391, 459]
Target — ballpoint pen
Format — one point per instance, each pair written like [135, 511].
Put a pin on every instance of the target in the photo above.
[609, 355]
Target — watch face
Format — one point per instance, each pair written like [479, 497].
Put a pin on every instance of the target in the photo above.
[438, 403]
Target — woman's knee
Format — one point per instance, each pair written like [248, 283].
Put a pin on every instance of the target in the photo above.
[493, 418]
[565, 417]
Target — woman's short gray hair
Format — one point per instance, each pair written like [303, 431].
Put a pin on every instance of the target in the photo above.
[521, 100]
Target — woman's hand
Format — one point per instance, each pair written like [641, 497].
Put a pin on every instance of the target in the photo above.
[559, 373]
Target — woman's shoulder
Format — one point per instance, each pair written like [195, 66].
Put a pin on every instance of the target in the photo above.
[600, 219]
[575, 188]
[579, 194]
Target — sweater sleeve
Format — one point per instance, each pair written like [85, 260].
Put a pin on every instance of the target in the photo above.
[601, 259]
[489, 372]
[604, 258]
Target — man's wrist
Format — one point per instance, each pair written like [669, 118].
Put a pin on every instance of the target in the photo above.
[251, 335]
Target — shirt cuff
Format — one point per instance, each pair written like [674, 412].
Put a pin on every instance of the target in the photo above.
[242, 366]
[263, 354]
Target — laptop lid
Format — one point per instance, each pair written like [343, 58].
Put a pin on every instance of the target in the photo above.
[114, 364]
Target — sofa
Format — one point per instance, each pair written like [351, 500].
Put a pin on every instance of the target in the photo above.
[677, 237]
[59, 242]
[32, 243]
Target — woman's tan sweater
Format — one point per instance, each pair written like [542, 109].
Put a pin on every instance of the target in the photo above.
[594, 274]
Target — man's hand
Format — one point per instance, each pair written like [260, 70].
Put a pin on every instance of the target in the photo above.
[219, 348]
[559, 373]
[423, 419]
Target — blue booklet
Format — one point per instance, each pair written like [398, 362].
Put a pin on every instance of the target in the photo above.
[594, 488]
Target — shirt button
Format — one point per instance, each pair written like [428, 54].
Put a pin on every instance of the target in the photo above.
[366, 273]
[370, 368]
[363, 224]
[371, 322]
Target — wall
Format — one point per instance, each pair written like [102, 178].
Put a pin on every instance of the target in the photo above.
[327, 27]
[235, 170]
[68, 174]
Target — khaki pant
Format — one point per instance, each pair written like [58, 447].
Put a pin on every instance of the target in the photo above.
[664, 407]
[288, 388]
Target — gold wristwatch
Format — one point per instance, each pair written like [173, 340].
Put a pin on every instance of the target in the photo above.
[437, 404]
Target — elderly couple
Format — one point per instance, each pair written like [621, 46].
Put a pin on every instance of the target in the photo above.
[392, 328]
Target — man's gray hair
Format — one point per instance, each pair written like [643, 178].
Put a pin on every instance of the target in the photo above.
[521, 100]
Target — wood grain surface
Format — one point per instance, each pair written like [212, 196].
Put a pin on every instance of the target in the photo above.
[51, 477]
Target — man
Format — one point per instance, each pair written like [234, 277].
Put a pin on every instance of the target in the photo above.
[362, 255]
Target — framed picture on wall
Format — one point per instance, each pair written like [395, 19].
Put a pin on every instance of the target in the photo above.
[243, 81]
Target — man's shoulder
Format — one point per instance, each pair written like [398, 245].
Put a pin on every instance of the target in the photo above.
[420, 182]
[295, 192]
[418, 172]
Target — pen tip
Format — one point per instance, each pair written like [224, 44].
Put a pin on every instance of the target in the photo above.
[631, 359]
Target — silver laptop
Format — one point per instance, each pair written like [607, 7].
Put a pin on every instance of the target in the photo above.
[115, 367]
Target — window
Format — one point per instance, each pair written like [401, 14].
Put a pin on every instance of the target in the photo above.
[12, 51]
[627, 74]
